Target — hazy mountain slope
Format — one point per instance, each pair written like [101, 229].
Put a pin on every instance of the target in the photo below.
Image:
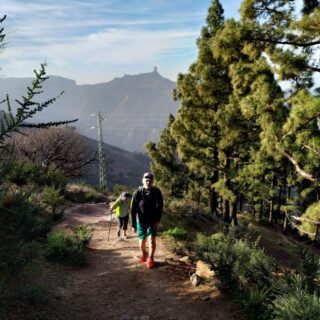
[136, 106]
[123, 167]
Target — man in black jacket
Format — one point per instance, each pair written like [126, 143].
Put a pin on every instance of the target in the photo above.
[146, 211]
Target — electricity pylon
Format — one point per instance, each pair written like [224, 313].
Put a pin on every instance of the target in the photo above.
[102, 161]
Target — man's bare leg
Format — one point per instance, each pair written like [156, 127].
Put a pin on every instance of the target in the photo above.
[142, 244]
[152, 246]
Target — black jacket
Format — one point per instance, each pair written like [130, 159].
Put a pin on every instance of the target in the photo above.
[148, 204]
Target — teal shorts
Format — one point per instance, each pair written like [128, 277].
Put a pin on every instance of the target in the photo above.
[145, 230]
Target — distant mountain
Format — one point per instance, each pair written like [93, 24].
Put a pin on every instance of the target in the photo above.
[123, 167]
[136, 107]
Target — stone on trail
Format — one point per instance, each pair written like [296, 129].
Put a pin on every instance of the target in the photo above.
[196, 280]
[186, 260]
[204, 270]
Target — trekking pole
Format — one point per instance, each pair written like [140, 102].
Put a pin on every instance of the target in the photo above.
[110, 224]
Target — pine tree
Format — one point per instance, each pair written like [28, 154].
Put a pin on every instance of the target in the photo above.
[201, 92]
[244, 45]
[171, 175]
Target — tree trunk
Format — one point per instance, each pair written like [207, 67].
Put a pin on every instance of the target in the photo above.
[261, 210]
[271, 203]
[226, 203]
[226, 210]
[213, 196]
[234, 212]
[240, 202]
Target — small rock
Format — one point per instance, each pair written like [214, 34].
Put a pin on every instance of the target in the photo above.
[195, 280]
[186, 260]
[204, 271]
[207, 298]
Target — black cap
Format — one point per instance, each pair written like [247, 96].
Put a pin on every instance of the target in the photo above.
[148, 176]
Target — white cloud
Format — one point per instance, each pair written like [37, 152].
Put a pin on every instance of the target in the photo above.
[92, 41]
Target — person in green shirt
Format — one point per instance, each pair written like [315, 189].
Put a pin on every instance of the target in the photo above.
[122, 207]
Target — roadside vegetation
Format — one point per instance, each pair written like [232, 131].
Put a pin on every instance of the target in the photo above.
[36, 162]
[238, 166]
[245, 147]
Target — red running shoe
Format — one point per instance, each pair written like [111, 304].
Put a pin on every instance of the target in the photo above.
[143, 258]
[151, 263]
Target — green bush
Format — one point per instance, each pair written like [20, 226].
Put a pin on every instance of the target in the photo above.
[23, 172]
[84, 234]
[296, 305]
[237, 261]
[186, 207]
[19, 217]
[264, 291]
[254, 302]
[52, 197]
[177, 233]
[54, 177]
[309, 267]
[119, 188]
[82, 193]
[65, 249]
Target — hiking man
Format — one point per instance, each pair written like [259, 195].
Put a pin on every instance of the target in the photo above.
[146, 211]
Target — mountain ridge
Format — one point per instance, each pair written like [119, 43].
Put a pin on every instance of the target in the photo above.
[136, 107]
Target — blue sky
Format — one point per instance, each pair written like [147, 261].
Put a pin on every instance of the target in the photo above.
[95, 41]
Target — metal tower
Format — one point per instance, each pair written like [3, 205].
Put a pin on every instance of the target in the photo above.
[102, 162]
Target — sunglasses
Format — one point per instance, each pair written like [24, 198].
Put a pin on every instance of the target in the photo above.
[148, 180]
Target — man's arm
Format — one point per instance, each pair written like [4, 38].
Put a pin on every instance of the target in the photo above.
[134, 211]
[159, 205]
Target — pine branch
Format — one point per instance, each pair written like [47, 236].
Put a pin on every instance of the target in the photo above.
[28, 108]
[44, 125]
[317, 115]
[301, 172]
[293, 43]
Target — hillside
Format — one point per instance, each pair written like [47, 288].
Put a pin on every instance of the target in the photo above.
[136, 106]
[123, 167]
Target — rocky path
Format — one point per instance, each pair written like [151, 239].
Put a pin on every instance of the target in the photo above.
[115, 285]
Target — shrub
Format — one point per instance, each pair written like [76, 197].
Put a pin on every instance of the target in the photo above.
[236, 261]
[54, 177]
[242, 231]
[51, 197]
[65, 248]
[186, 207]
[119, 188]
[83, 233]
[309, 267]
[177, 233]
[21, 172]
[21, 218]
[254, 302]
[296, 305]
[82, 193]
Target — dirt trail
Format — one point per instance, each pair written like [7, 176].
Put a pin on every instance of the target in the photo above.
[115, 285]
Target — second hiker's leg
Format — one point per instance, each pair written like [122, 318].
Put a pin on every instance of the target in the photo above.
[125, 225]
